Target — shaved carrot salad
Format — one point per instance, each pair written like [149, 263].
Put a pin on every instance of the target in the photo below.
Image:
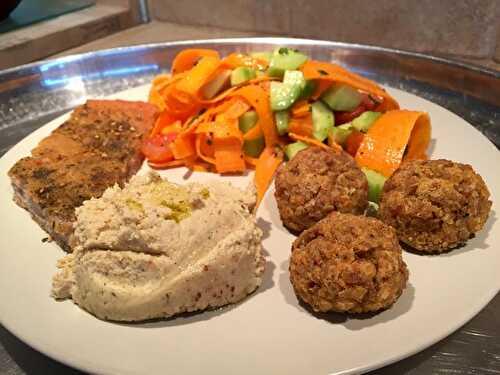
[248, 111]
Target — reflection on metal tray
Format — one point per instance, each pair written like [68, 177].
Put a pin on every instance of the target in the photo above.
[32, 95]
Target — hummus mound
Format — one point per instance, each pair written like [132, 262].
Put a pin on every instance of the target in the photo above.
[154, 249]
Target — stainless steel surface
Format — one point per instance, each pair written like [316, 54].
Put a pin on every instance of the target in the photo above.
[33, 94]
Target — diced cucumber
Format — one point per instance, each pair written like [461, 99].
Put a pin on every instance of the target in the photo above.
[293, 148]
[347, 126]
[247, 121]
[284, 94]
[254, 147]
[340, 134]
[281, 118]
[266, 56]
[309, 89]
[242, 74]
[323, 120]
[275, 72]
[294, 78]
[342, 98]
[376, 183]
[212, 88]
[285, 59]
[364, 121]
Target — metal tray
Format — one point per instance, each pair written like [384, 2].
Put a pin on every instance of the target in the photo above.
[32, 95]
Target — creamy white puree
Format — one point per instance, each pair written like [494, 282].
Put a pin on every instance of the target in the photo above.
[154, 249]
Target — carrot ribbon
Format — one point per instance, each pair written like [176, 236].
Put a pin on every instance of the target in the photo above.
[328, 73]
[258, 98]
[267, 164]
[188, 58]
[394, 133]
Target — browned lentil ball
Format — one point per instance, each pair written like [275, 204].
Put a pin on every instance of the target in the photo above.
[435, 205]
[316, 182]
[348, 263]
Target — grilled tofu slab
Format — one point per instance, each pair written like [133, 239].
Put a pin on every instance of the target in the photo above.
[99, 146]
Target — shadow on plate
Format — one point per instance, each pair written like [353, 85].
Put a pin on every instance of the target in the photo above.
[28, 359]
[198, 316]
[353, 322]
[474, 243]
[265, 226]
[432, 146]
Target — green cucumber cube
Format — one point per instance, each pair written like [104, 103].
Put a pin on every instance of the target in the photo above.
[247, 121]
[293, 148]
[323, 120]
[376, 183]
[284, 94]
[308, 89]
[364, 121]
[285, 59]
[281, 118]
[254, 147]
[342, 98]
[340, 134]
[242, 74]
[294, 78]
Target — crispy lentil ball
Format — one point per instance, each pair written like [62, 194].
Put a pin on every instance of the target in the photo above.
[348, 263]
[316, 182]
[435, 205]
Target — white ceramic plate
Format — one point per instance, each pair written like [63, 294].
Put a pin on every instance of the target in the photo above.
[269, 332]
